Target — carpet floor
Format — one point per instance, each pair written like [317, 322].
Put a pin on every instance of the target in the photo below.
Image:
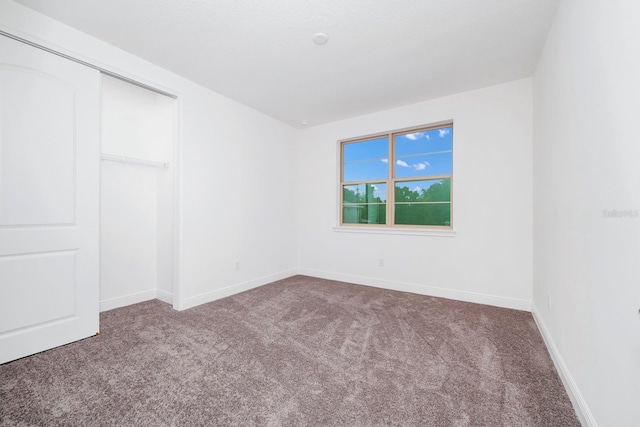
[298, 352]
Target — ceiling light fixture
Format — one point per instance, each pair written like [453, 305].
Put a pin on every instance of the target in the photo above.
[320, 38]
[305, 122]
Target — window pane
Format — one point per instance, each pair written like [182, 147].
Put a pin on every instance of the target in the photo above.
[365, 150]
[429, 141]
[418, 170]
[423, 214]
[365, 171]
[431, 190]
[364, 193]
[364, 214]
[430, 164]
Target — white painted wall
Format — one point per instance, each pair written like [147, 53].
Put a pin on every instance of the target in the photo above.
[586, 156]
[236, 200]
[136, 201]
[489, 259]
[128, 238]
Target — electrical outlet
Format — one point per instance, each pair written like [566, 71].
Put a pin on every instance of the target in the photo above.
[237, 265]
[380, 262]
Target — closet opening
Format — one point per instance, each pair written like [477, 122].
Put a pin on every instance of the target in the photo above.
[138, 195]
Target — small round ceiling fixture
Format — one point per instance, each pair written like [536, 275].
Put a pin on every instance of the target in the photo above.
[320, 38]
[304, 122]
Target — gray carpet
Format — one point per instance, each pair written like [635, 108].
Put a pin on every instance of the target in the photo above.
[297, 352]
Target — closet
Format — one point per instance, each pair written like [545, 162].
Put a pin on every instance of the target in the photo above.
[88, 196]
[137, 194]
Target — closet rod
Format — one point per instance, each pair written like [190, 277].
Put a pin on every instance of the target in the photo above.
[88, 64]
[133, 160]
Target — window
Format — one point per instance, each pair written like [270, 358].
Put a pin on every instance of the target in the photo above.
[398, 179]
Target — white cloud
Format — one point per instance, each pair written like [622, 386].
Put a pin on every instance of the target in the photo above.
[384, 160]
[421, 166]
[417, 135]
[402, 163]
[418, 189]
[443, 132]
[374, 187]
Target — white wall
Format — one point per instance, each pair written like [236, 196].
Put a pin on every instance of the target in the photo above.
[586, 157]
[128, 238]
[237, 202]
[489, 259]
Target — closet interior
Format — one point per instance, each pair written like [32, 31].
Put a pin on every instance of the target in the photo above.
[137, 194]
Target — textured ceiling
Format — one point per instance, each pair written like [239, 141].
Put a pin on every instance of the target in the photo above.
[380, 54]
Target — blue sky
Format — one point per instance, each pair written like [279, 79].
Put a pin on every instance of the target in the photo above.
[416, 154]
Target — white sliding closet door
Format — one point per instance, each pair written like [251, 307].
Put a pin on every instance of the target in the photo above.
[49, 195]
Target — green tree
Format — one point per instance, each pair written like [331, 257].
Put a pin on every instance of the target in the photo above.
[438, 192]
[411, 209]
[405, 194]
[349, 196]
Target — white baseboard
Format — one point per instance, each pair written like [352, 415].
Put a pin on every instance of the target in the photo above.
[234, 289]
[579, 404]
[164, 296]
[110, 304]
[361, 280]
[135, 298]
[478, 298]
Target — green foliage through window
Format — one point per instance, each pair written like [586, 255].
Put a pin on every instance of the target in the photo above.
[364, 203]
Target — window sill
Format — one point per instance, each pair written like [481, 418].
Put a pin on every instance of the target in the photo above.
[397, 231]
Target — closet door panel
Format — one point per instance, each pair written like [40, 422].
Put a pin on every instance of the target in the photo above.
[38, 148]
[49, 195]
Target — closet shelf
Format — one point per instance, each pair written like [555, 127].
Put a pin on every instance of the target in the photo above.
[133, 160]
